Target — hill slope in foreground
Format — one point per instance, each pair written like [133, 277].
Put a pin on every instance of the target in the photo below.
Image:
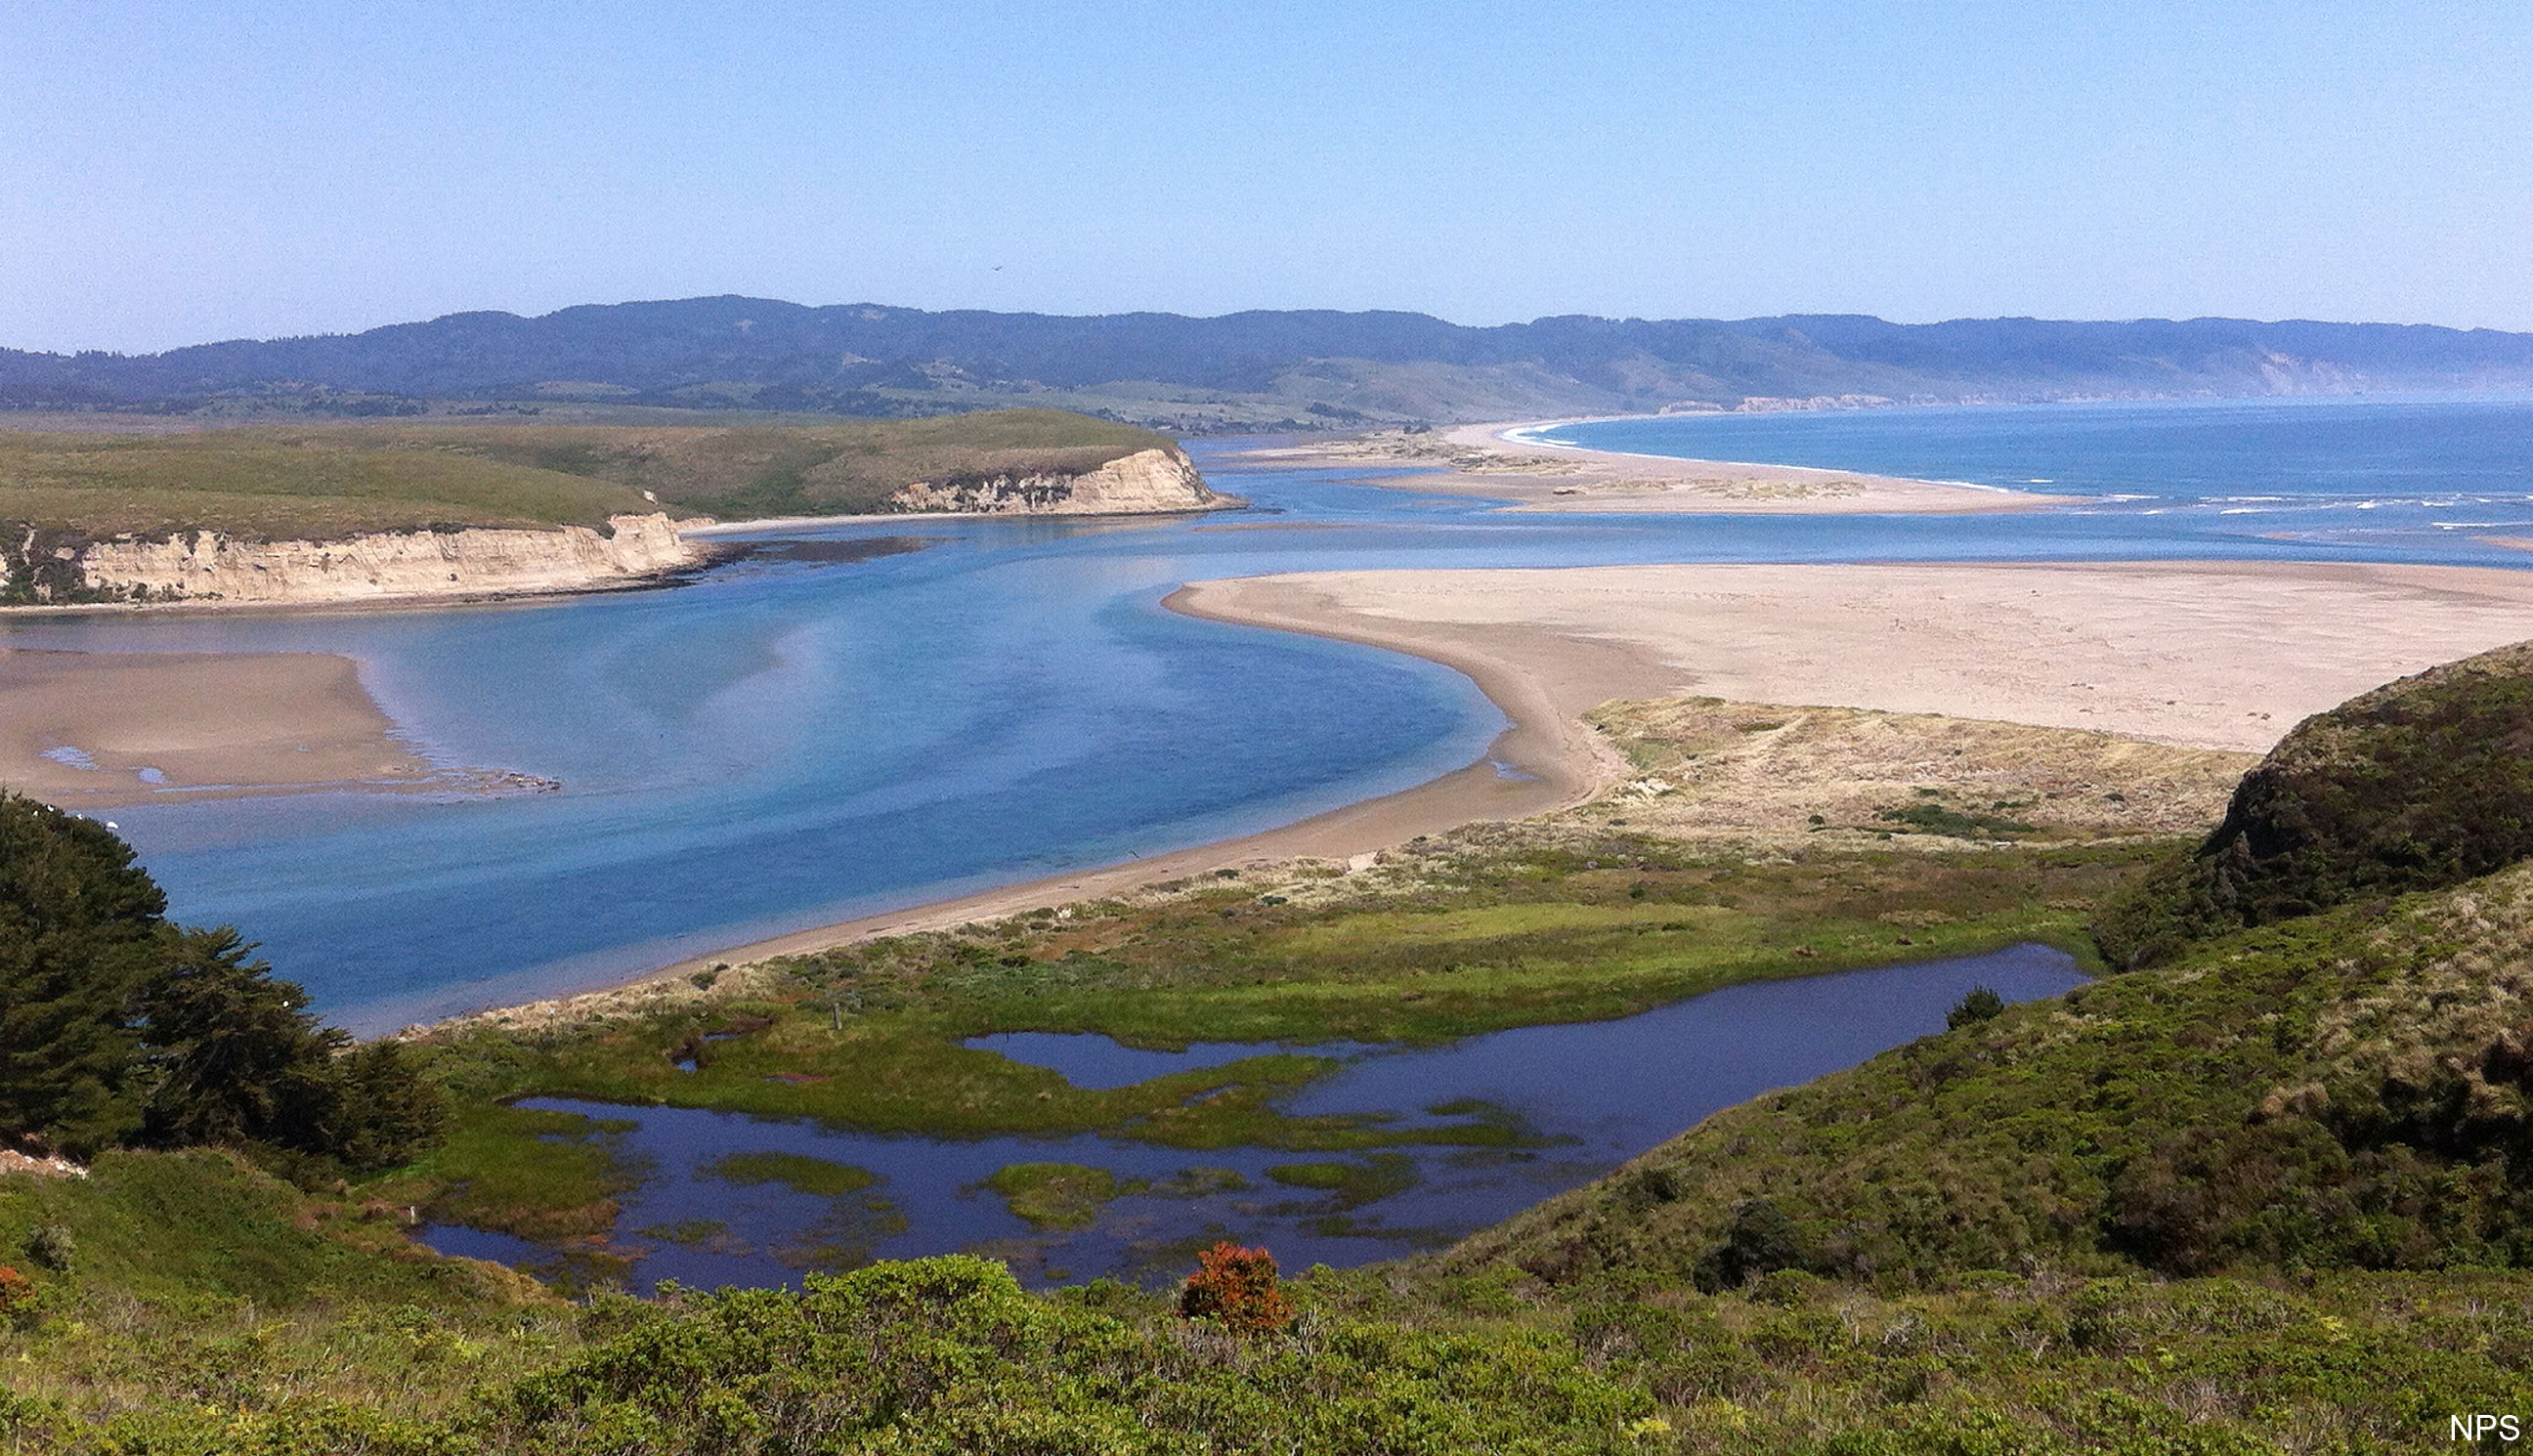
[1307, 369]
[2265, 1195]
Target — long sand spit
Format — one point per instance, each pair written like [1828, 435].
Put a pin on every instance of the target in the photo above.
[1499, 462]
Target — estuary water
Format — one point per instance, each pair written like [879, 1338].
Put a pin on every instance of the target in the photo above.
[798, 740]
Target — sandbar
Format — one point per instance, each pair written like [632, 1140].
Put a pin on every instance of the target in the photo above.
[85, 730]
[2222, 655]
[1492, 462]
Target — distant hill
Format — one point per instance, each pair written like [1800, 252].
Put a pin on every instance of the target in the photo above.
[1307, 369]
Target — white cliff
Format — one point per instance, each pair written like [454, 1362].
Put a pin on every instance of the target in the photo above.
[473, 561]
[1148, 482]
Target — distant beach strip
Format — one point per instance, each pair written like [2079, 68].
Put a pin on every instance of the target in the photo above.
[1511, 463]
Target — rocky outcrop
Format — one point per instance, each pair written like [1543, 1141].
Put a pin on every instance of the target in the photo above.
[1146, 483]
[473, 561]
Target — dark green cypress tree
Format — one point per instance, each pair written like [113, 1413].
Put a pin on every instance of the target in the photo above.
[80, 926]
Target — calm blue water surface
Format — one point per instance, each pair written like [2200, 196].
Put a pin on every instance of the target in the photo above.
[1591, 1095]
[788, 743]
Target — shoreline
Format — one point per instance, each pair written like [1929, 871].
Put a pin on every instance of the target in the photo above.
[1494, 462]
[1562, 763]
[2076, 646]
[713, 551]
[870, 518]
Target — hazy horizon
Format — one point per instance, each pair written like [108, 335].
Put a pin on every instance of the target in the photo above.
[1458, 322]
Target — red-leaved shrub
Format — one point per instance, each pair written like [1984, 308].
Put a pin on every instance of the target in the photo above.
[16, 1289]
[1236, 1286]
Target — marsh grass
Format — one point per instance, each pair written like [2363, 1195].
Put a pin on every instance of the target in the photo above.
[803, 1173]
[1058, 1195]
[534, 1174]
[1480, 932]
[1354, 1183]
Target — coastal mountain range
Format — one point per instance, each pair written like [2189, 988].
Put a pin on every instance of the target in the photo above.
[1265, 369]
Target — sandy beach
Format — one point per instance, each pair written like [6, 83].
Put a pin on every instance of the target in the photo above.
[206, 725]
[1489, 462]
[2206, 655]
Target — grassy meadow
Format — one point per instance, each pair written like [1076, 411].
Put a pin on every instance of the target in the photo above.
[320, 482]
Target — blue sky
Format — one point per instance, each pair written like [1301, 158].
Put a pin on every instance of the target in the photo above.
[172, 173]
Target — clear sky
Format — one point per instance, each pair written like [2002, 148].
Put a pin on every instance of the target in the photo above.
[177, 172]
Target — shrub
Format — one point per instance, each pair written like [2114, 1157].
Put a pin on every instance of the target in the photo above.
[16, 1295]
[2419, 784]
[49, 1244]
[1761, 1241]
[1980, 1005]
[1237, 1287]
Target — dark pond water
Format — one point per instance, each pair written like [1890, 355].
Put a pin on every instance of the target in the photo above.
[1594, 1094]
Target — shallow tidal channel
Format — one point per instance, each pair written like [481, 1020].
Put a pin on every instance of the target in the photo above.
[729, 1199]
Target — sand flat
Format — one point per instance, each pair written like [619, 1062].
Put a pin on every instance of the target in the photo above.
[204, 724]
[2207, 654]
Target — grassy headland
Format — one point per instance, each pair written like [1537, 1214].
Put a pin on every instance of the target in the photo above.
[320, 482]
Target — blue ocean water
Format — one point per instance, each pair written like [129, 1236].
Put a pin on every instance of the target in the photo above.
[2427, 474]
[787, 743]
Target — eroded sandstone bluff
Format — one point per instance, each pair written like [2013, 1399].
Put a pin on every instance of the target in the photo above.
[206, 566]
[1148, 482]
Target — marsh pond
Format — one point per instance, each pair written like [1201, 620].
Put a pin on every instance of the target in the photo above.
[1480, 1128]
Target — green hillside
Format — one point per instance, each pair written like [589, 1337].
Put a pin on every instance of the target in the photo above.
[328, 481]
[2421, 783]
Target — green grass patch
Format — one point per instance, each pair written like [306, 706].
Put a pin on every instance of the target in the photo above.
[326, 481]
[1354, 1183]
[797, 1172]
[512, 1170]
[1929, 817]
[686, 1232]
[1058, 1195]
